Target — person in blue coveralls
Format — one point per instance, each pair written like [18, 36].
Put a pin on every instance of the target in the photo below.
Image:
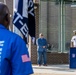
[41, 50]
[14, 56]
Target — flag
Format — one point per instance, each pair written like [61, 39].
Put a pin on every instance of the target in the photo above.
[31, 20]
[25, 58]
[23, 14]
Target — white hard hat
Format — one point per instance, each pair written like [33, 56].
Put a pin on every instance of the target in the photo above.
[74, 31]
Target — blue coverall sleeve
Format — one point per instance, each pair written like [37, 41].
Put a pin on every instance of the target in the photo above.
[21, 64]
[38, 42]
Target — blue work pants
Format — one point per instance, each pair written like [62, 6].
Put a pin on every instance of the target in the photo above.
[42, 57]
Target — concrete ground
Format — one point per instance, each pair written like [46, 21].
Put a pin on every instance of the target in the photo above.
[53, 70]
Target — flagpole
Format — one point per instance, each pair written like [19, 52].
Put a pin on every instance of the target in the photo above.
[5, 1]
[13, 14]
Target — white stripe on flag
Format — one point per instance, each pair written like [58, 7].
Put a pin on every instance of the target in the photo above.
[25, 7]
[15, 5]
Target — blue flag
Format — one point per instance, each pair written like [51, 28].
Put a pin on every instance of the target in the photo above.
[31, 20]
[23, 18]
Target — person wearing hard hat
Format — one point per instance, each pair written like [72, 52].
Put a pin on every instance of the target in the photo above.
[73, 40]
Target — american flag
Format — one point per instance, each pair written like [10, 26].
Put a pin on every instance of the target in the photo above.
[25, 58]
[24, 18]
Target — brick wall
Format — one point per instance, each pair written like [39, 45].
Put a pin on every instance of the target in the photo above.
[33, 47]
[57, 58]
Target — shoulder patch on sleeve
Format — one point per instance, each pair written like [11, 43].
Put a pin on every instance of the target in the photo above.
[25, 58]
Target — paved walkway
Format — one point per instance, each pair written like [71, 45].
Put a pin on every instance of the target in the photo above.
[53, 70]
